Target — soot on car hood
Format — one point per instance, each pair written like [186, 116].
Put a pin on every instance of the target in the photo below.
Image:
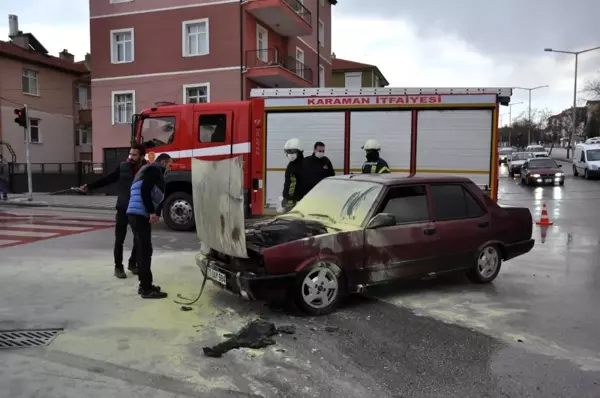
[276, 231]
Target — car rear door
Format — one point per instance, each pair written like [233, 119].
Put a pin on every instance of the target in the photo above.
[402, 250]
[462, 224]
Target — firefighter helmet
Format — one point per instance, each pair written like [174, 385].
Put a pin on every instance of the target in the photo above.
[293, 144]
[371, 145]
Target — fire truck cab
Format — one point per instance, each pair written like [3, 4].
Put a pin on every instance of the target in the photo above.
[421, 130]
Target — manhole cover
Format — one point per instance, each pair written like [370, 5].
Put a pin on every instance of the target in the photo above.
[27, 338]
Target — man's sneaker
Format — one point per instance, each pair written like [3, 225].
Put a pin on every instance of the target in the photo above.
[120, 273]
[156, 288]
[153, 294]
[133, 268]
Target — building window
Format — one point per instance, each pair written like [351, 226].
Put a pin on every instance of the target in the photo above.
[322, 3]
[195, 38]
[34, 131]
[354, 79]
[84, 136]
[84, 97]
[121, 43]
[196, 93]
[262, 43]
[30, 82]
[377, 82]
[321, 76]
[321, 34]
[123, 106]
[300, 62]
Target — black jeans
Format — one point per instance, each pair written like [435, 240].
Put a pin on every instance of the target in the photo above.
[120, 233]
[142, 232]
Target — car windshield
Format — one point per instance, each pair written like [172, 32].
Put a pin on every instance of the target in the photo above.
[335, 201]
[537, 149]
[542, 164]
[593, 155]
[506, 151]
[521, 156]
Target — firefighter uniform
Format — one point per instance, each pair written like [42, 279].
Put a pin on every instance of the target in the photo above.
[293, 185]
[374, 164]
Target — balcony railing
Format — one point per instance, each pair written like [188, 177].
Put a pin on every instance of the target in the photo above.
[272, 57]
[299, 8]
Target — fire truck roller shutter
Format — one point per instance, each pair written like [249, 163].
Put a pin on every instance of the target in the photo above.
[457, 142]
[308, 127]
[392, 129]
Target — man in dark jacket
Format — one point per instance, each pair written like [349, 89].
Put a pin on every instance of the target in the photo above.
[316, 168]
[123, 176]
[145, 202]
[293, 183]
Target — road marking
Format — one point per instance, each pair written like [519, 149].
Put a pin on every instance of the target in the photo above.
[46, 225]
[29, 234]
[90, 223]
[6, 242]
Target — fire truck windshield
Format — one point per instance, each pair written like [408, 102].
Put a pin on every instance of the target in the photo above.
[157, 131]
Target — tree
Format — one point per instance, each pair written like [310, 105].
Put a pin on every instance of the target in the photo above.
[592, 87]
[518, 131]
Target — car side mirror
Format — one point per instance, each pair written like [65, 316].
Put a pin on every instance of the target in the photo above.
[560, 165]
[382, 220]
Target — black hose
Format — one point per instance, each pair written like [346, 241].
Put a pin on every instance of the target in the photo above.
[197, 298]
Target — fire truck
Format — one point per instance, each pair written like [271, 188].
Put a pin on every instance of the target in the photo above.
[421, 131]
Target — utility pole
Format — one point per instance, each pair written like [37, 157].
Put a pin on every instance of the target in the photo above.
[576, 54]
[28, 156]
[510, 121]
[529, 119]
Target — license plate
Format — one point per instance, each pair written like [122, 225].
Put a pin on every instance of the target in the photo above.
[548, 180]
[216, 276]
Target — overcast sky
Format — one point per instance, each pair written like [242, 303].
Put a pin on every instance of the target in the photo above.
[432, 43]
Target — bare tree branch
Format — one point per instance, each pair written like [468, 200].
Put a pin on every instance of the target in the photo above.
[592, 87]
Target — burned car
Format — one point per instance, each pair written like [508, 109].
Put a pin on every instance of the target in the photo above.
[355, 231]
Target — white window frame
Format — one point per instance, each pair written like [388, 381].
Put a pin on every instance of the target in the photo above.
[321, 76]
[113, 45]
[36, 76]
[352, 74]
[80, 132]
[120, 1]
[112, 104]
[300, 72]
[196, 85]
[264, 54]
[184, 37]
[39, 141]
[321, 33]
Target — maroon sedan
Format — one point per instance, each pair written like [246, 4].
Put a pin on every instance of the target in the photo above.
[353, 232]
[542, 171]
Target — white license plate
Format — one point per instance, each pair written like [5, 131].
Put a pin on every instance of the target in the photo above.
[216, 276]
[548, 180]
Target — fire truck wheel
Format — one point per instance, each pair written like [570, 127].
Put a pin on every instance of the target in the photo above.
[178, 212]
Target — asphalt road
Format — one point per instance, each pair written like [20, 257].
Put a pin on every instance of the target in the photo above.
[532, 333]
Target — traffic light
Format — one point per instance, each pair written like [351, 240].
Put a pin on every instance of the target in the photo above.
[21, 118]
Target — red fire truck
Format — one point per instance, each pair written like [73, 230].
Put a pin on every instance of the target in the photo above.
[421, 130]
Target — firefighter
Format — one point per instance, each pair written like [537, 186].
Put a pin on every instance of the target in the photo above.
[374, 164]
[292, 187]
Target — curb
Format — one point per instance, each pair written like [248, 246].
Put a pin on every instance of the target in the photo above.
[66, 206]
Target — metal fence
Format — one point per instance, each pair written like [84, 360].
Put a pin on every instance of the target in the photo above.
[272, 57]
[51, 177]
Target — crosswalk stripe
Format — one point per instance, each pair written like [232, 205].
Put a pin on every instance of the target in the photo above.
[91, 223]
[6, 242]
[27, 234]
[49, 226]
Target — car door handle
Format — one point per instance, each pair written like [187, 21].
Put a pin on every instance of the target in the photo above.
[483, 224]
[429, 231]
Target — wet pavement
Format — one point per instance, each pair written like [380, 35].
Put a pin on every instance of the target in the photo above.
[532, 333]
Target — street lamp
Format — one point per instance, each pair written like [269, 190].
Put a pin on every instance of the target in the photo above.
[576, 54]
[510, 121]
[530, 90]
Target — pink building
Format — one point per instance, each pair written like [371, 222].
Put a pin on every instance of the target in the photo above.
[146, 52]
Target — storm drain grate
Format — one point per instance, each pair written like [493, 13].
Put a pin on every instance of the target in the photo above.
[27, 338]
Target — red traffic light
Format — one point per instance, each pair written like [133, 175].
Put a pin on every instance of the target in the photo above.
[21, 118]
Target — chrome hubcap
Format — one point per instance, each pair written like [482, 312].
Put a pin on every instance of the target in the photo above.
[181, 211]
[488, 261]
[320, 287]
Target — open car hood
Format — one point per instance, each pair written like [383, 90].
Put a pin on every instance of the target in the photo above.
[218, 192]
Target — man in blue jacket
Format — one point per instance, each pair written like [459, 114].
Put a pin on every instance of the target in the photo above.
[145, 202]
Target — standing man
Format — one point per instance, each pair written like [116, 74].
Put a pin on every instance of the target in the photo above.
[123, 176]
[293, 183]
[316, 167]
[147, 194]
[374, 164]
[3, 178]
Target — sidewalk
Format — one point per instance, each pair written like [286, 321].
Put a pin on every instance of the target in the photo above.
[560, 154]
[101, 202]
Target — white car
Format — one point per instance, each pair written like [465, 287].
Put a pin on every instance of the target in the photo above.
[537, 150]
[503, 154]
[516, 160]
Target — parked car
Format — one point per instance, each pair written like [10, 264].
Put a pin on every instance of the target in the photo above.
[586, 160]
[352, 232]
[503, 154]
[542, 171]
[516, 160]
[537, 150]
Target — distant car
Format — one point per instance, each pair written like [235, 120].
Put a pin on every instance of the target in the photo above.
[593, 140]
[542, 171]
[352, 232]
[503, 154]
[516, 160]
[537, 150]
[586, 160]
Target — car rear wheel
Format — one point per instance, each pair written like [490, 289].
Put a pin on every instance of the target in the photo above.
[575, 173]
[585, 174]
[511, 174]
[320, 288]
[178, 212]
[487, 267]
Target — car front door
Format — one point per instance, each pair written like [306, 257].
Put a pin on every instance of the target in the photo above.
[581, 162]
[462, 224]
[401, 250]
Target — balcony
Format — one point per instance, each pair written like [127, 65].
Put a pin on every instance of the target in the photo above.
[85, 112]
[286, 17]
[269, 68]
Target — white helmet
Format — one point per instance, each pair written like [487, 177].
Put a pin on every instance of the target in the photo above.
[293, 144]
[371, 145]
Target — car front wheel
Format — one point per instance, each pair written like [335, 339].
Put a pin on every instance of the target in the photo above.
[320, 288]
[487, 265]
[575, 173]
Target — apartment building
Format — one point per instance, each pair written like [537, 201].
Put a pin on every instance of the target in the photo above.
[184, 51]
[347, 73]
[50, 87]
